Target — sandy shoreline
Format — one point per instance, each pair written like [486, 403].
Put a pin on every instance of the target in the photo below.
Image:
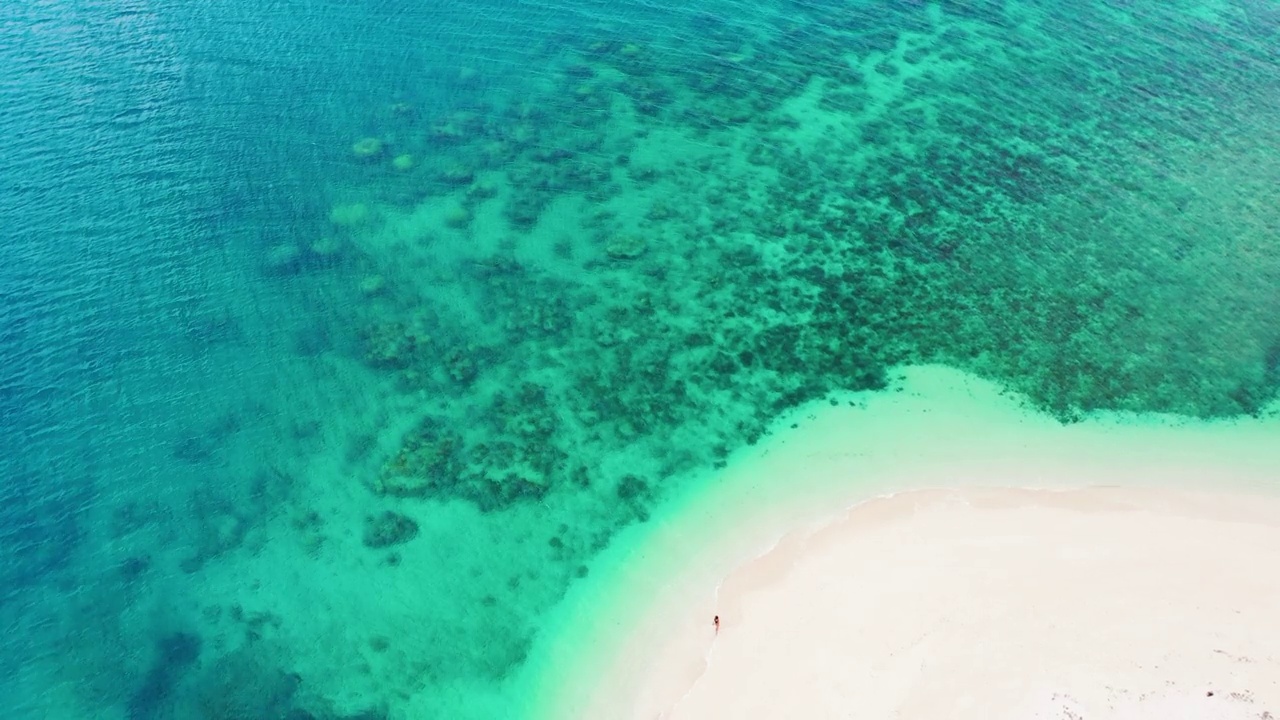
[1006, 604]
[1113, 568]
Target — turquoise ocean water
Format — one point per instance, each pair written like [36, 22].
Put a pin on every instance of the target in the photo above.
[337, 338]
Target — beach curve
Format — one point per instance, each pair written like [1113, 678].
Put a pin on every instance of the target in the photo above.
[904, 509]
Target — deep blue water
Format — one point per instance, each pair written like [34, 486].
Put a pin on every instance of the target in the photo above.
[154, 148]
[156, 151]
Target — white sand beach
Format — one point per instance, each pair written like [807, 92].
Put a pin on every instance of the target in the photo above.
[1007, 604]
[939, 551]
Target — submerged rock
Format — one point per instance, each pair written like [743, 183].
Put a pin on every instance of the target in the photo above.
[456, 174]
[371, 285]
[367, 148]
[388, 529]
[456, 215]
[247, 683]
[282, 259]
[626, 247]
[349, 215]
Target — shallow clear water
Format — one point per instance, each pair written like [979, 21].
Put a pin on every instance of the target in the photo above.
[336, 339]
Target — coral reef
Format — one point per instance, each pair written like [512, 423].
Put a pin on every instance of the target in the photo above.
[434, 462]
